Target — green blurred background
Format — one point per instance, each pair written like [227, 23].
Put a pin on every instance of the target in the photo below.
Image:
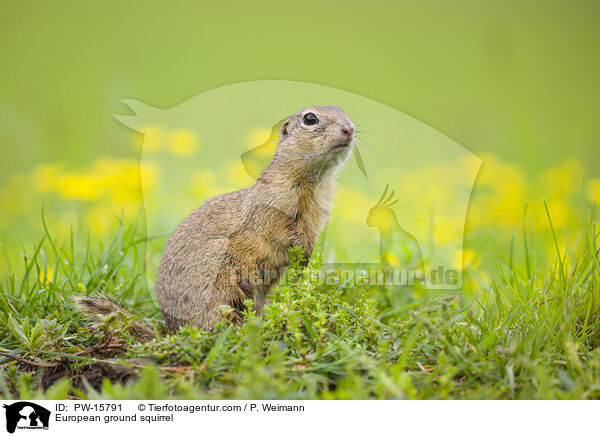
[518, 80]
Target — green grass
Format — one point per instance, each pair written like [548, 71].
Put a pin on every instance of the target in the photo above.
[533, 334]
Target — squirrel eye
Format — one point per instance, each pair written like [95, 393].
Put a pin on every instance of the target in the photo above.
[310, 119]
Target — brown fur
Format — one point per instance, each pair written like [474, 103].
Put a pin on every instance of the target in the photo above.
[103, 305]
[250, 231]
[222, 252]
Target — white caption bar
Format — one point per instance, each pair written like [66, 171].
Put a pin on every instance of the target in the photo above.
[296, 417]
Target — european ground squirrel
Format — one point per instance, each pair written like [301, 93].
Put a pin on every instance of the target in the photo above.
[225, 252]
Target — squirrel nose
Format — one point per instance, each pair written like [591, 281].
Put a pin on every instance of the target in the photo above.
[348, 130]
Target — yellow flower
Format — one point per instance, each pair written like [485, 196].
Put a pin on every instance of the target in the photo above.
[149, 175]
[560, 213]
[446, 229]
[391, 259]
[46, 276]
[469, 259]
[500, 193]
[183, 142]
[119, 178]
[45, 177]
[563, 180]
[79, 186]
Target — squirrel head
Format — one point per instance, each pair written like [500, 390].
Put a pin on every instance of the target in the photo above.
[317, 137]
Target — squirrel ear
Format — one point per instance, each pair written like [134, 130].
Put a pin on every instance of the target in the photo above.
[284, 128]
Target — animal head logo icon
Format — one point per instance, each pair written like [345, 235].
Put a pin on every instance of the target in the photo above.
[24, 414]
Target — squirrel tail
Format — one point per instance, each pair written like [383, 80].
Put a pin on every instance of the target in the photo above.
[104, 305]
